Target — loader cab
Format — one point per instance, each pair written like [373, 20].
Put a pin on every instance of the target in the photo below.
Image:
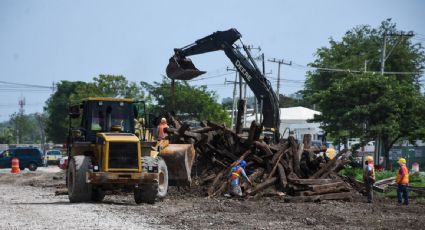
[95, 115]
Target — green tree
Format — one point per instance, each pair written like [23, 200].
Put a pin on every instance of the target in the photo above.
[227, 103]
[369, 105]
[72, 92]
[108, 86]
[359, 50]
[23, 126]
[6, 133]
[57, 110]
[287, 101]
[192, 102]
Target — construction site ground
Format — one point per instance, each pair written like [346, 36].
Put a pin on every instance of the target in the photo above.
[28, 201]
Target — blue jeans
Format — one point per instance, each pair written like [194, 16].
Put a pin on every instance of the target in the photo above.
[369, 191]
[402, 190]
[236, 190]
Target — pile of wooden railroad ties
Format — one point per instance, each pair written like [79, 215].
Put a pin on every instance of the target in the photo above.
[291, 170]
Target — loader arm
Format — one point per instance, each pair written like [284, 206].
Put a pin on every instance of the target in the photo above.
[181, 68]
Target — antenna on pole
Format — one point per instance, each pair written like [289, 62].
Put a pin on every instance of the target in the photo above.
[21, 104]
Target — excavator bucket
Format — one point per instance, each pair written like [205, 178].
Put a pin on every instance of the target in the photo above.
[182, 69]
[179, 159]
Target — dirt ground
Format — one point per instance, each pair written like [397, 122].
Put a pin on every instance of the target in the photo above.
[28, 201]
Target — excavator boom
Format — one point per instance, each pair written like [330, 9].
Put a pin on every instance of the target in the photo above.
[180, 67]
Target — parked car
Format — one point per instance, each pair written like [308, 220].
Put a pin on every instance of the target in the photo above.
[53, 156]
[29, 157]
[63, 163]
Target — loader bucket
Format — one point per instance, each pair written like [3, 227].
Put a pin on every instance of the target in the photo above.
[179, 160]
[182, 69]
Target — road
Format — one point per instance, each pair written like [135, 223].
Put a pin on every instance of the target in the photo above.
[28, 201]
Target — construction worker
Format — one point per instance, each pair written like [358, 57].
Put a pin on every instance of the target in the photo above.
[369, 178]
[402, 181]
[161, 127]
[236, 173]
[330, 153]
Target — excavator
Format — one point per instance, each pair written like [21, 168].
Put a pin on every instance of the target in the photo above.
[180, 67]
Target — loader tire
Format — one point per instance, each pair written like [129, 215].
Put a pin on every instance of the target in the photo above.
[162, 178]
[146, 193]
[78, 189]
[97, 195]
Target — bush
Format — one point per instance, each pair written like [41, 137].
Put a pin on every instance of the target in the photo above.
[380, 175]
[357, 173]
[353, 172]
[417, 181]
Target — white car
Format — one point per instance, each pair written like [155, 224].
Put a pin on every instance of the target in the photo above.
[53, 156]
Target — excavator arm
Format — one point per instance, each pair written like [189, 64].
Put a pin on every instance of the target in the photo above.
[182, 68]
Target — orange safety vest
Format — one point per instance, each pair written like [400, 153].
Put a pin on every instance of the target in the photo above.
[236, 174]
[405, 179]
[161, 133]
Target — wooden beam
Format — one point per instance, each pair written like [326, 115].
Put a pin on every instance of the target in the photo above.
[262, 186]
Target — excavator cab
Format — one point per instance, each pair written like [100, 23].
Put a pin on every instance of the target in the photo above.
[182, 68]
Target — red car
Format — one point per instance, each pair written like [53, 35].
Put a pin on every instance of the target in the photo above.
[63, 163]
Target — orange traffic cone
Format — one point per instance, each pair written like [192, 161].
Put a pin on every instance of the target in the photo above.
[15, 166]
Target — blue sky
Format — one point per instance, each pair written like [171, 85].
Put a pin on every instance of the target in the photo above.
[42, 41]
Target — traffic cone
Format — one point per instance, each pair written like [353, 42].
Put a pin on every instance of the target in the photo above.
[15, 166]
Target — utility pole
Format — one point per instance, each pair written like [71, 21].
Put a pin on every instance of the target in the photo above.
[279, 62]
[234, 96]
[384, 57]
[53, 87]
[261, 96]
[251, 47]
[365, 65]
[384, 44]
[39, 118]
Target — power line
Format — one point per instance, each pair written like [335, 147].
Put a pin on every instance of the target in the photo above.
[330, 69]
[27, 85]
[26, 90]
[209, 77]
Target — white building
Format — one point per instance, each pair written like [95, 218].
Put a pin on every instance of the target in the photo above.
[294, 119]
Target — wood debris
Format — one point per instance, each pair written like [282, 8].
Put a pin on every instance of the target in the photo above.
[299, 170]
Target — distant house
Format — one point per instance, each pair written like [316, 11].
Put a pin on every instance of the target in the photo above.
[295, 119]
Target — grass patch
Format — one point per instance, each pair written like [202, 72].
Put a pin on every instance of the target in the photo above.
[384, 175]
[357, 173]
[417, 181]
[393, 194]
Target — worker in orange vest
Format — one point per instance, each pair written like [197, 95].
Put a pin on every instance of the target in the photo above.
[237, 172]
[402, 181]
[161, 127]
[369, 178]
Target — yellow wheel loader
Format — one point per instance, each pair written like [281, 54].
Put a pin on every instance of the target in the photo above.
[105, 153]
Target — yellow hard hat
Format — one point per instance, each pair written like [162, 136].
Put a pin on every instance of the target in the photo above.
[369, 158]
[402, 161]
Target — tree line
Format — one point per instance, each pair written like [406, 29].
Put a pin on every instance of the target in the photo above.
[356, 100]
[197, 103]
